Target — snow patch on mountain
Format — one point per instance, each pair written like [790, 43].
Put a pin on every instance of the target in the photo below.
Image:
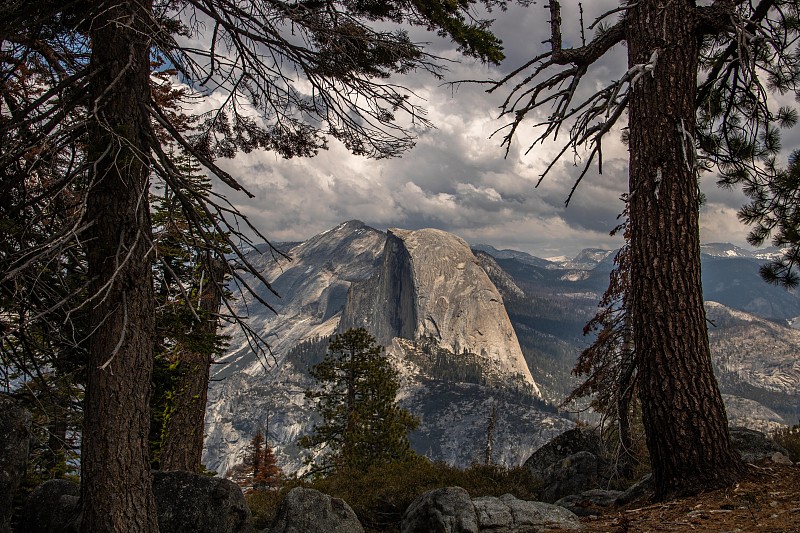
[725, 249]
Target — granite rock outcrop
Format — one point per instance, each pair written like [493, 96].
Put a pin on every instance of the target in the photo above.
[430, 287]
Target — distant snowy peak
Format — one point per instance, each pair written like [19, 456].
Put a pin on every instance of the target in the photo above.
[590, 257]
[728, 250]
[522, 257]
[725, 249]
[770, 254]
[558, 259]
[587, 259]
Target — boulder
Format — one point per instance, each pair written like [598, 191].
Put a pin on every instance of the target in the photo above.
[569, 464]
[568, 443]
[15, 428]
[52, 507]
[638, 490]
[310, 511]
[573, 475]
[188, 502]
[754, 446]
[511, 515]
[446, 510]
[590, 502]
[450, 510]
[781, 458]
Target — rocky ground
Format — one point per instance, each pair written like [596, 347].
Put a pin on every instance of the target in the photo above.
[766, 500]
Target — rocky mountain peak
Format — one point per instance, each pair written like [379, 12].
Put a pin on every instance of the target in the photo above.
[346, 238]
[430, 287]
[724, 249]
[313, 287]
[591, 256]
[425, 296]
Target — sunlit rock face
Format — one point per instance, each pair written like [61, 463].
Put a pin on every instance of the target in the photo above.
[386, 303]
[431, 288]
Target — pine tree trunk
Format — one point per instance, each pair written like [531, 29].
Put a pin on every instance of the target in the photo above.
[116, 486]
[626, 461]
[683, 415]
[182, 447]
[56, 437]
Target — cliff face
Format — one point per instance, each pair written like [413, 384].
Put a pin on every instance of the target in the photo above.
[386, 303]
[312, 287]
[431, 288]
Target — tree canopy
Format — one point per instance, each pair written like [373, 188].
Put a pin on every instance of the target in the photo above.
[774, 211]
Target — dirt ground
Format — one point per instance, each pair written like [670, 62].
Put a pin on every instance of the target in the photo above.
[767, 500]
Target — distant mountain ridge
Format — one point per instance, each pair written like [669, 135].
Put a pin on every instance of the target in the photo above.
[523, 257]
[730, 276]
[726, 249]
[751, 339]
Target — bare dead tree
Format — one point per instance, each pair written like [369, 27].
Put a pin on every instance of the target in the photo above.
[491, 423]
[696, 93]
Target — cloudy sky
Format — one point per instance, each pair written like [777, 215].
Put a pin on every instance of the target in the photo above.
[460, 180]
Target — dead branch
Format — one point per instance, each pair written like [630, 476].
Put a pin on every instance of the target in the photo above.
[591, 118]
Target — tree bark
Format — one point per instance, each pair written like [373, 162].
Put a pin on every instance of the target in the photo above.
[116, 485]
[182, 447]
[683, 414]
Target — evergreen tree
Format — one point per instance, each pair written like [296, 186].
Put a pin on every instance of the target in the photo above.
[356, 391]
[188, 278]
